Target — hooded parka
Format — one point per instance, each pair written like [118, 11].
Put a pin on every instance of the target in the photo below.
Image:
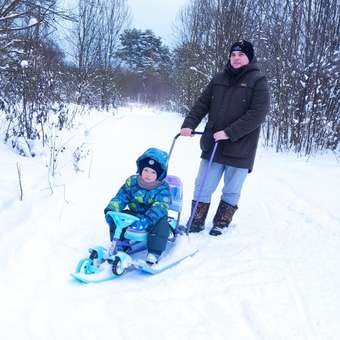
[153, 203]
[236, 102]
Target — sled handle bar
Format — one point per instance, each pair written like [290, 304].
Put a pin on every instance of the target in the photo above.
[175, 138]
[205, 176]
[188, 226]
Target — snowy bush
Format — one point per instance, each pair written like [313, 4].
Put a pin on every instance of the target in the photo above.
[79, 154]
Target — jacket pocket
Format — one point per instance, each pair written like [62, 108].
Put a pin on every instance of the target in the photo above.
[207, 140]
[242, 148]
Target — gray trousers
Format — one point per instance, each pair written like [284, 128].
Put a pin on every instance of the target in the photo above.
[233, 182]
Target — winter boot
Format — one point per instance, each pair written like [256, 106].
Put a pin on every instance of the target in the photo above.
[198, 221]
[152, 258]
[222, 218]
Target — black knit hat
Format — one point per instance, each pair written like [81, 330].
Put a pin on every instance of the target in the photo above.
[150, 163]
[243, 46]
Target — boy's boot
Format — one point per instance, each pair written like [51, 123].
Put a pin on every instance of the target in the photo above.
[198, 221]
[222, 218]
[152, 258]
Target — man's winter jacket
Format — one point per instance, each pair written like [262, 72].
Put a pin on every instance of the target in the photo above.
[238, 105]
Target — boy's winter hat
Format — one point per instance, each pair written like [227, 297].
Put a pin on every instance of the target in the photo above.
[243, 46]
[150, 163]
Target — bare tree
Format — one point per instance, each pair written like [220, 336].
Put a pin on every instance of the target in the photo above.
[28, 60]
[300, 50]
[20, 15]
[205, 30]
[95, 39]
[114, 17]
[297, 44]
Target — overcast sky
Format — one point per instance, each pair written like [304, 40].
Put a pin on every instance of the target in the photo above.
[157, 15]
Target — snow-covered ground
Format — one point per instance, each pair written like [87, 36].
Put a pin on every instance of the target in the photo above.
[273, 275]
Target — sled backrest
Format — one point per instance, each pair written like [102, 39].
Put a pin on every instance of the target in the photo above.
[176, 190]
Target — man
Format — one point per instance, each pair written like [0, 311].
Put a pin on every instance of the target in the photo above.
[236, 101]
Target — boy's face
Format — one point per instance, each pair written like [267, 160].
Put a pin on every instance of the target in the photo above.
[149, 175]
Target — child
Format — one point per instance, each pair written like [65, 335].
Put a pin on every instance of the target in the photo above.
[148, 197]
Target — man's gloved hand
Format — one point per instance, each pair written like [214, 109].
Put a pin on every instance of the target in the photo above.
[140, 225]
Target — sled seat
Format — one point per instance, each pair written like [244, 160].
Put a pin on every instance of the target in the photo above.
[136, 235]
[176, 191]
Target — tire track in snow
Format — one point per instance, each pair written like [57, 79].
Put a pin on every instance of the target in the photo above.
[292, 285]
[310, 212]
[254, 321]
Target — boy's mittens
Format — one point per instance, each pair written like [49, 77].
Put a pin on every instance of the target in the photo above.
[140, 225]
[108, 208]
[108, 219]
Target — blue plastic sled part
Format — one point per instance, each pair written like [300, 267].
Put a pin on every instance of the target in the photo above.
[155, 269]
[122, 220]
[105, 274]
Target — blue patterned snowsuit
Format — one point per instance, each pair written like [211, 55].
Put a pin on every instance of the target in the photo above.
[152, 204]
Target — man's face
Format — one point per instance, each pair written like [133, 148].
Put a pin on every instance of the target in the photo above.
[238, 59]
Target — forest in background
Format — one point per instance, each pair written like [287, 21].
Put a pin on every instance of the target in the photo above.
[108, 63]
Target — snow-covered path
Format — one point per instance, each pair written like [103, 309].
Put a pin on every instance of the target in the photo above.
[273, 275]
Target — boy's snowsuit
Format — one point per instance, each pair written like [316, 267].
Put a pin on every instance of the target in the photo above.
[149, 204]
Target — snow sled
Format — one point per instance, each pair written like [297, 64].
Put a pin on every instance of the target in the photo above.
[128, 248]
[128, 252]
